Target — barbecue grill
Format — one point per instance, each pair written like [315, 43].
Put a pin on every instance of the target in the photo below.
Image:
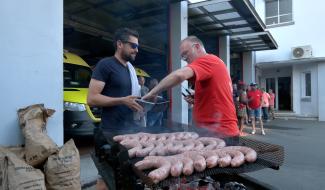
[119, 172]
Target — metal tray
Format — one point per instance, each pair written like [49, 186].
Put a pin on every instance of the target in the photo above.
[160, 105]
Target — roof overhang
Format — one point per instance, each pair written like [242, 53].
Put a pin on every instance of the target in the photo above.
[236, 18]
[285, 63]
[253, 42]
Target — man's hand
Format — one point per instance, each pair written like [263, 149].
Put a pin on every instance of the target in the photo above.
[189, 99]
[130, 102]
[150, 97]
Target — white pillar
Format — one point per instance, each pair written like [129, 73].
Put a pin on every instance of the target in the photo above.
[31, 51]
[224, 50]
[177, 32]
[321, 91]
[248, 67]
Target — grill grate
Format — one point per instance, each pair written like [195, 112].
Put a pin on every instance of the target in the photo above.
[269, 156]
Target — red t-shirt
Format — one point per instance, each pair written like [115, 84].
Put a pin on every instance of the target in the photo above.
[213, 102]
[256, 96]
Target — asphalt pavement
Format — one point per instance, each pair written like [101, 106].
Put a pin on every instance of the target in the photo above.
[304, 164]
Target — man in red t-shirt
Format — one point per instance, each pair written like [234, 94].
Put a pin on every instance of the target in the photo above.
[213, 104]
[254, 104]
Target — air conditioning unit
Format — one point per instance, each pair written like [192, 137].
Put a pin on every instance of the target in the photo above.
[301, 52]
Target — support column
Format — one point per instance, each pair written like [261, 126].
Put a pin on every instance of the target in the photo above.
[177, 31]
[224, 50]
[248, 67]
[321, 91]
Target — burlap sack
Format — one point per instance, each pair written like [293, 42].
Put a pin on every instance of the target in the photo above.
[62, 170]
[19, 151]
[17, 175]
[34, 115]
[38, 145]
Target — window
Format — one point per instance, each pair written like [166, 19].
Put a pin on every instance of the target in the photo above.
[278, 12]
[306, 84]
[76, 76]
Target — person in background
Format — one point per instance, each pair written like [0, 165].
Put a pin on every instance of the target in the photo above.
[154, 118]
[254, 103]
[144, 89]
[152, 83]
[242, 99]
[213, 102]
[265, 105]
[271, 108]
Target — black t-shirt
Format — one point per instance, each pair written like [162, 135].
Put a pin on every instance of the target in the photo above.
[117, 84]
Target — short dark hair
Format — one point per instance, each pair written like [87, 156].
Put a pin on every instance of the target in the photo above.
[123, 35]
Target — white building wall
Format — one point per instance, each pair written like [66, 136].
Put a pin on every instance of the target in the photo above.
[306, 107]
[31, 47]
[306, 30]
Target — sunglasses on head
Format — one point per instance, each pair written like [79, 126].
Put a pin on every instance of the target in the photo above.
[133, 45]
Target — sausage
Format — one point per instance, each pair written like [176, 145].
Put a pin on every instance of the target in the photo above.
[161, 164]
[160, 149]
[162, 136]
[211, 158]
[173, 147]
[237, 157]
[188, 167]
[135, 136]
[170, 137]
[128, 143]
[132, 152]
[198, 145]
[187, 146]
[177, 165]
[220, 143]
[144, 138]
[186, 136]
[212, 143]
[209, 142]
[179, 135]
[249, 153]
[224, 159]
[194, 135]
[152, 137]
[198, 160]
[146, 149]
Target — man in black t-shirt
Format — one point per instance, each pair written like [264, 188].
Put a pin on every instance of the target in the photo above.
[110, 86]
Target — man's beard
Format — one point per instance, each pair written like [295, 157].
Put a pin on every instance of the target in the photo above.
[128, 57]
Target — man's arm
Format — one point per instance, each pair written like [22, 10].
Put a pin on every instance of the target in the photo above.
[170, 81]
[95, 98]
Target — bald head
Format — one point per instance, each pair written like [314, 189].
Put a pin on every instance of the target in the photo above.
[191, 48]
[193, 40]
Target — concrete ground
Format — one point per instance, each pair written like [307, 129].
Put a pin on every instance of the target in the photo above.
[304, 165]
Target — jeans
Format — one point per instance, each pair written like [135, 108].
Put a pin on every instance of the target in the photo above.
[265, 113]
[154, 119]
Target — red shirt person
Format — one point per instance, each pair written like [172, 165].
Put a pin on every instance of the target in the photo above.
[213, 103]
[254, 103]
[255, 96]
